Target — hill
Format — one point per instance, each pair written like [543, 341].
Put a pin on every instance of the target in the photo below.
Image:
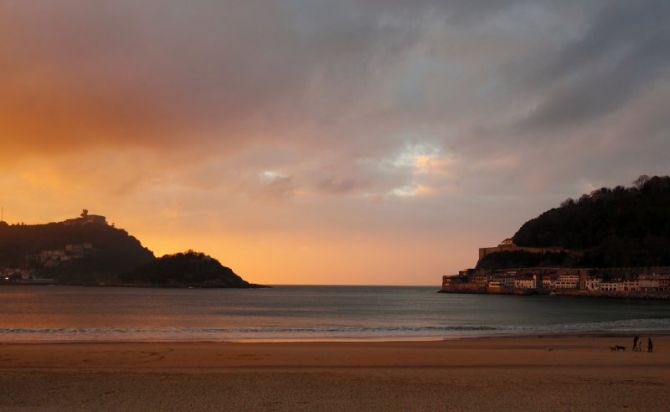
[77, 251]
[89, 251]
[619, 227]
[185, 269]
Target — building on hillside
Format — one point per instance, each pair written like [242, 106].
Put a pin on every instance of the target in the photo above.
[86, 218]
[75, 251]
[480, 279]
[508, 245]
[507, 280]
[55, 258]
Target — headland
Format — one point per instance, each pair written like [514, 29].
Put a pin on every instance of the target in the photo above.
[89, 251]
[610, 243]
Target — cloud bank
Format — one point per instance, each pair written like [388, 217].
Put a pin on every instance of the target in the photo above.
[414, 131]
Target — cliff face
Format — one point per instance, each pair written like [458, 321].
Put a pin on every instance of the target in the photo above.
[618, 227]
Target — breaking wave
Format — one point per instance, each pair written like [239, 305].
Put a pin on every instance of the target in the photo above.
[24, 334]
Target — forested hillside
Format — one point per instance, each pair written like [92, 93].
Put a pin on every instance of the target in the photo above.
[619, 227]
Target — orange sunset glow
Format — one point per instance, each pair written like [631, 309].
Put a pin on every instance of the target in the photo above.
[318, 143]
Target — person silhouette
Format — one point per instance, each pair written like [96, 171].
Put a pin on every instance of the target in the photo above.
[636, 342]
[650, 345]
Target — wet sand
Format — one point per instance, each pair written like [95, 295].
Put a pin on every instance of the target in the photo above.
[530, 373]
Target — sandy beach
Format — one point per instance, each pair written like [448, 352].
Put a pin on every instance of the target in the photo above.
[530, 373]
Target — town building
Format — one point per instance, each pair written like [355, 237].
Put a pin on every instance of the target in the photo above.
[508, 245]
[566, 281]
[525, 283]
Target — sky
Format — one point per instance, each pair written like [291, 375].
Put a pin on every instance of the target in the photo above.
[327, 142]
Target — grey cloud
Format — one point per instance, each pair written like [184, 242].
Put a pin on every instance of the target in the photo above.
[310, 102]
[281, 187]
[168, 72]
[616, 26]
[361, 77]
[334, 185]
[622, 53]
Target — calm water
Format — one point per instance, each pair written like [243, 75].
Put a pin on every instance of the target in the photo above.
[303, 312]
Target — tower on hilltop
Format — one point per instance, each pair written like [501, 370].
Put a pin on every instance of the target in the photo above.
[86, 218]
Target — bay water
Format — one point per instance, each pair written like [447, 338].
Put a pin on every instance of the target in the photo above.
[60, 314]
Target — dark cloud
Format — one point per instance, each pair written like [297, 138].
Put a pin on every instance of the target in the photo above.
[334, 185]
[280, 188]
[623, 52]
[393, 119]
[363, 77]
[164, 72]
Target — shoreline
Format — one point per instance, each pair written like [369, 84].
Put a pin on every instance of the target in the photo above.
[597, 343]
[132, 285]
[332, 340]
[664, 297]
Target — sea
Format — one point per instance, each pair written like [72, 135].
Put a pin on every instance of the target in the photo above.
[306, 313]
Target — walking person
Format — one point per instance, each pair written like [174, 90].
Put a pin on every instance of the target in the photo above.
[650, 345]
[636, 342]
